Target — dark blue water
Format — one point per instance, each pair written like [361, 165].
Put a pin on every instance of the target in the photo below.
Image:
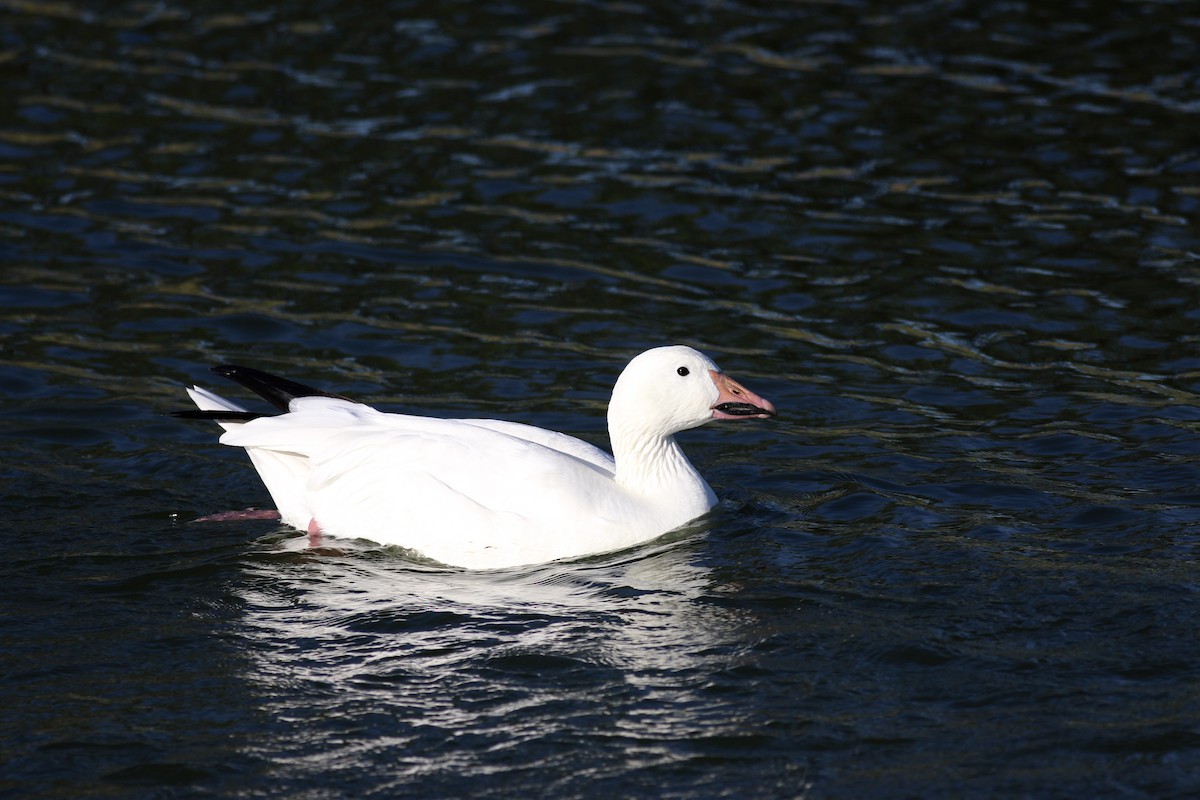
[955, 243]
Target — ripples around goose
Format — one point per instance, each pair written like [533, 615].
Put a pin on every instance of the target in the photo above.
[374, 658]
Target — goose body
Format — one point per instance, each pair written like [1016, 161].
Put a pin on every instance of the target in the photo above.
[481, 493]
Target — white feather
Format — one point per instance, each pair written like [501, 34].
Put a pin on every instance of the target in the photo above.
[488, 493]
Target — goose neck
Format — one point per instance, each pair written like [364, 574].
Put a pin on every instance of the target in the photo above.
[648, 463]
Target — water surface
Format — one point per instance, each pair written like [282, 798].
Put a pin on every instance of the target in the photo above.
[955, 243]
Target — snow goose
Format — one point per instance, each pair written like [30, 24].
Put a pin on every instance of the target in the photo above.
[480, 493]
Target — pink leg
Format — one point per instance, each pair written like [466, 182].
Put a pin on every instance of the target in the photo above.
[314, 533]
[235, 516]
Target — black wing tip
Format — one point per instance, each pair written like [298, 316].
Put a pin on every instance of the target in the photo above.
[219, 416]
[277, 391]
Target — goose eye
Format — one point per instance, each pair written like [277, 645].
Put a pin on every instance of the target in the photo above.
[683, 372]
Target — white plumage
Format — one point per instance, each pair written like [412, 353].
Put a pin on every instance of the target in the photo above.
[488, 493]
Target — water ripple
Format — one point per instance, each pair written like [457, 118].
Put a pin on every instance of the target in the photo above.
[953, 244]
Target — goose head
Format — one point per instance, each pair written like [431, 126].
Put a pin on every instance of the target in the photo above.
[671, 389]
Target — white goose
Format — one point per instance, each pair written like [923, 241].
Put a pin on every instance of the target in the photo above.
[486, 493]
